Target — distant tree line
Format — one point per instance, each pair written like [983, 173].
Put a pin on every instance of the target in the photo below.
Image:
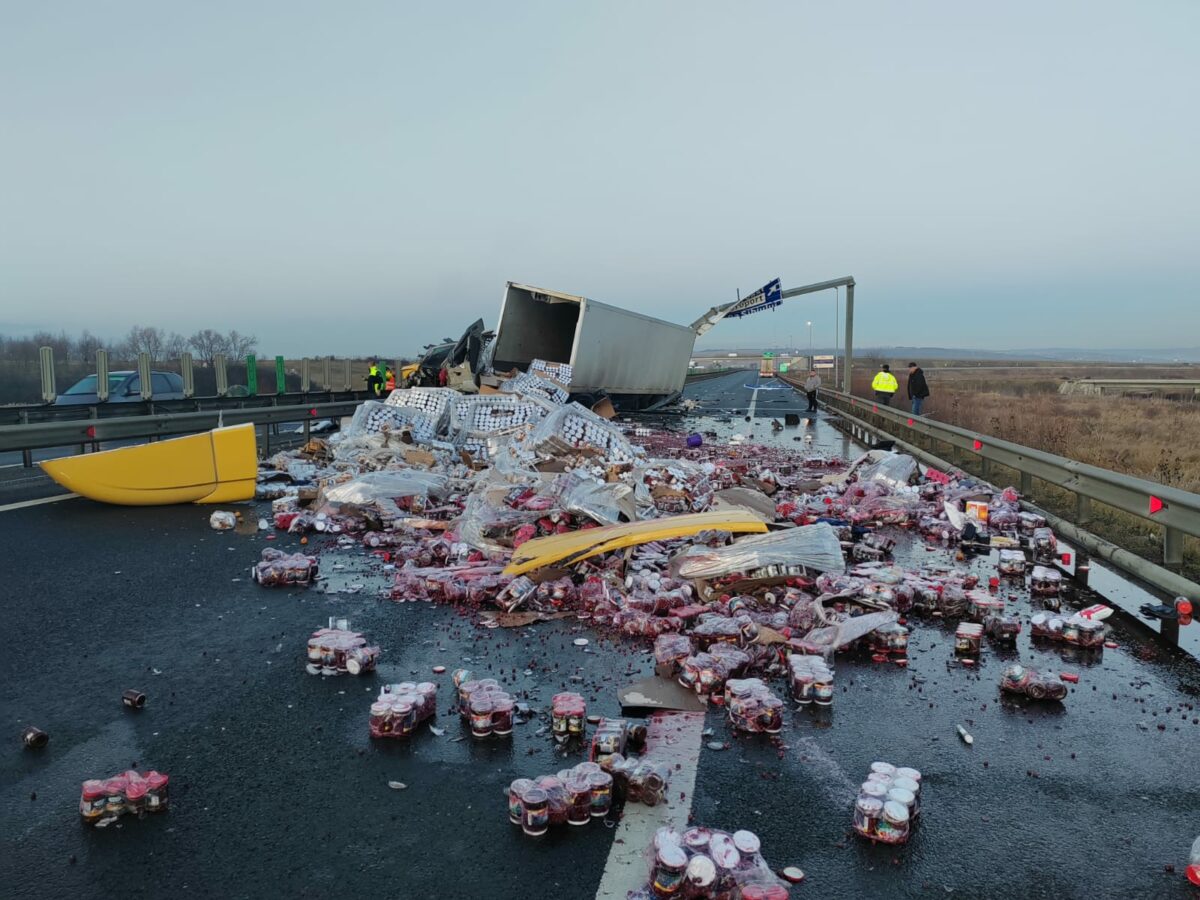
[159, 344]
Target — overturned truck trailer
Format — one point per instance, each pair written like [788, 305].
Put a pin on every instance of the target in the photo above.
[635, 359]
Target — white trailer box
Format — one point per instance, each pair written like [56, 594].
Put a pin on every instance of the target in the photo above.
[623, 353]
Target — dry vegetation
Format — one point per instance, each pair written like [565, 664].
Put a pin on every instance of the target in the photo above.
[1154, 439]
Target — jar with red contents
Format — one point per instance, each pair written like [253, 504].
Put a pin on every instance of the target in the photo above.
[516, 791]
[157, 791]
[502, 714]
[92, 801]
[579, 800]
[556, 791]
[761, 891]
[380, 722]
[535, 811]
[601, 784]
[481, 715]
[135, 797]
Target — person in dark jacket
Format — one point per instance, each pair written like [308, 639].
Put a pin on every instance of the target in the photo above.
[917, 388]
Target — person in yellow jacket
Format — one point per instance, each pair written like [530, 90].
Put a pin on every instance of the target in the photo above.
[884, 385]
[374, 378]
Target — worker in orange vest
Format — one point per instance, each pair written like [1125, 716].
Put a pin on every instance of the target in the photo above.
[389, 378]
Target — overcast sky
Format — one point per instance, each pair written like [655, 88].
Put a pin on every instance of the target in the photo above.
[364, 177]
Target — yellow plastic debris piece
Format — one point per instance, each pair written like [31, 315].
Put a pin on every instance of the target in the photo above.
[217, 466]
[576, 545]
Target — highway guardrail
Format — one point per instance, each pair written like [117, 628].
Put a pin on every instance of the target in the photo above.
[82, 432]
[1176, 511]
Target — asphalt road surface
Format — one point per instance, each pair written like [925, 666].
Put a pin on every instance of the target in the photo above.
[277, 790]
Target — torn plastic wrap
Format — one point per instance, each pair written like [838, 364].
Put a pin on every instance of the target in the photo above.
[375, 486]
[895, 471]
[488, 526]
[815, 547]
[607, 502]
[831, 638]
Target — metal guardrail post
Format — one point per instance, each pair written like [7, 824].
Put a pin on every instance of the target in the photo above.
[1172, 548]
[46, 358]
[26, 453]
[280, 376]
[252, 375]
[101, 375]
[346, 385]
[1083, 509]
[327, 378]
[185, 372]
[222, 374]
[1026, 483]
[144, 383]
[305, 375]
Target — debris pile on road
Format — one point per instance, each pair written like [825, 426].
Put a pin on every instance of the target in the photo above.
[103, 801]
[336, 650]
[708, 863]
[888, 803]
[735, 563]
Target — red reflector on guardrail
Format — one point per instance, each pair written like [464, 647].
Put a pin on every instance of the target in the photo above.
[1156, 505]
[313, 413]
[910, 421]
[91, 431]
[978, 445]
[874, 408]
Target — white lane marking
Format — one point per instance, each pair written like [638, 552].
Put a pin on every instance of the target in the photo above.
[675, 739]
[24, 503]
[753, 404]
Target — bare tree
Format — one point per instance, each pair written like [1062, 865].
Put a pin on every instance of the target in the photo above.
[206, 344]
[86, 346]
[144, 339]
[174, 345]
[240, 345]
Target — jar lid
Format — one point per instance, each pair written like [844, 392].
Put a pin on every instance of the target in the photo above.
[723, 852]
[900, 795]
[520, 785]
[871, 806]
[905, 772]
[600, 779]
[697, 837]
[136, 791]
[884, 767]
[534, 796]
[701, 871]
[874, 789]
[907, 784]
[896, 813]
[93, 788]
[672, 856]
[746, 842]
[380, 708]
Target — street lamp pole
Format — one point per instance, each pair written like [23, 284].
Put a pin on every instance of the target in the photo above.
[810, 356]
